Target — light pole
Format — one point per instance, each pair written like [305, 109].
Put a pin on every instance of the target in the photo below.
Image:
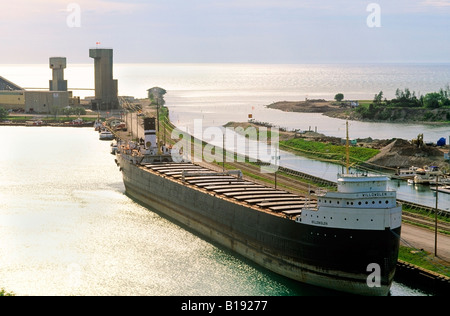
[436, 216]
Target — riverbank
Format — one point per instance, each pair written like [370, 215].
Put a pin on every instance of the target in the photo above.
[387, 155]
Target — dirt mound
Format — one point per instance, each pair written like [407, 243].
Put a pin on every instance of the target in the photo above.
[401, 153]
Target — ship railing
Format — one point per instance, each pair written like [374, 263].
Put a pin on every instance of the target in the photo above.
[187, 173]
[320, 192]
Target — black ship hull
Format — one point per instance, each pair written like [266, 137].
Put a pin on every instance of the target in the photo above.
[333, 258]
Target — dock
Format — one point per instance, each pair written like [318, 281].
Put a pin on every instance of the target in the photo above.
[443, 189]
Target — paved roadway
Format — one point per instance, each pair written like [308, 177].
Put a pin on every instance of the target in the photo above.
[422, 238]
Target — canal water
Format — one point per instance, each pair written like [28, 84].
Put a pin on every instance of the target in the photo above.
[67, 228]
[220, 93]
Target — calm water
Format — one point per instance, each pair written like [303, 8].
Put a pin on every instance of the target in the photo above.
[67, 228]
[219, 93]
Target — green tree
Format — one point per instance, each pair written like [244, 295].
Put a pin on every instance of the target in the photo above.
[378, 98]
[432, 100]
[156, 96]
[3, 113]
[339, 97]
[79, 111]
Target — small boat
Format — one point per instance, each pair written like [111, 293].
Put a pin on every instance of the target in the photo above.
[106, 135]
[405, 174]
[426, 175]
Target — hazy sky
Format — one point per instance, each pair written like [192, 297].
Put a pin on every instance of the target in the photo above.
[242, 31]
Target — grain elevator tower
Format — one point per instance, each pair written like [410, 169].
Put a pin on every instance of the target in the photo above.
[58, 64]
[106, 88]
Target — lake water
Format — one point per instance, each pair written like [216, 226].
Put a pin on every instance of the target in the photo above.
[219, 93]
[67, 228]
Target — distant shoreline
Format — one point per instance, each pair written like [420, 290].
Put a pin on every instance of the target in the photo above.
[343, 110]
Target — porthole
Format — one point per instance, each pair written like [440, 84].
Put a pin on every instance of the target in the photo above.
[387, 202]
[367, 202]
[373, 202]
[359, 203]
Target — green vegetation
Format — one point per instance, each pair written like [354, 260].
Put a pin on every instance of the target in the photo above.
[3, 113]
[422, 259]
[339, 97]
[59, 119]
[156, 96]
[4, 293]
[78, 111]
[434, 106]
[328, 152]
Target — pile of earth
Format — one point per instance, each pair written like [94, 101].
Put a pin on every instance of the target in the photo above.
[401, 153]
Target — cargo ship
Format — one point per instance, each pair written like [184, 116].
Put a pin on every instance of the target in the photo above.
[347, 240]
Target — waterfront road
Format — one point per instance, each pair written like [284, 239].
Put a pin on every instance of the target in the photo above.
[422, 238]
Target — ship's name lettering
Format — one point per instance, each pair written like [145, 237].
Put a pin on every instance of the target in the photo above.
[320, 223]
[378, 194]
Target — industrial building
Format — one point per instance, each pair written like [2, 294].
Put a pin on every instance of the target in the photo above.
[12, 97]
[58, 64]
[106, 88]
[57, 97]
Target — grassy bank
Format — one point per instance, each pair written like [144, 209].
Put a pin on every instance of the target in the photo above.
[50, 119]
[422, 259]
[328, 152]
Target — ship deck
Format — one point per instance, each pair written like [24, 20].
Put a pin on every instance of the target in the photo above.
[242, 191]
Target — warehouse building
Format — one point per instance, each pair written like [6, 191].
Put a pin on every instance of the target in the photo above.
[12, 97]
